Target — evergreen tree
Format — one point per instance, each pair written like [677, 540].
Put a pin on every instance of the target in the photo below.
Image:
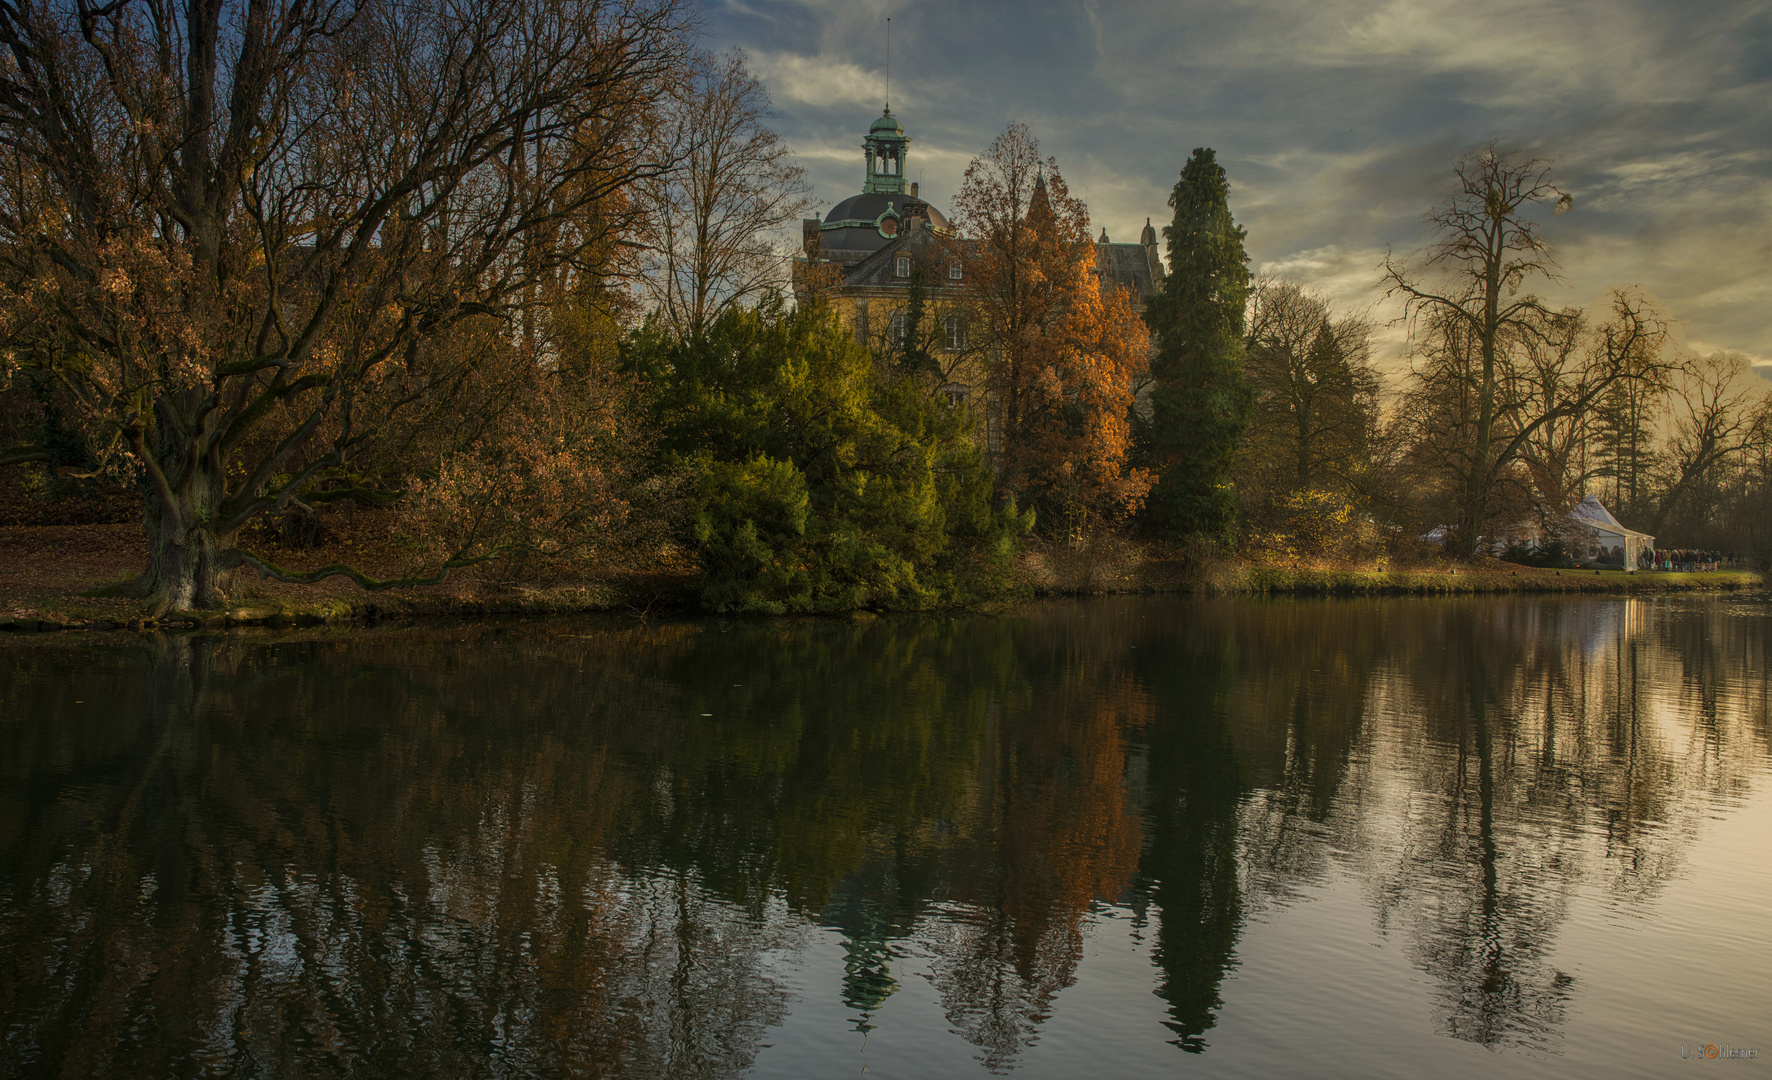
[913, 346]
[820, 482]
[1201, 402]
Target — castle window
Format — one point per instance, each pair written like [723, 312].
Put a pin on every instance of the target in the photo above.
[956, 328]
[954, 272]
[903, 266]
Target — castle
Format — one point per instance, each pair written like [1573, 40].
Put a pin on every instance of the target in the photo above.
[869, 249]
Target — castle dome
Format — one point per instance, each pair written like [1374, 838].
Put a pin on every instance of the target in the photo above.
[869, 221]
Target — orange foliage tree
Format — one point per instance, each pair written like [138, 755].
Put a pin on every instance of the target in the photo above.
[1064, 347]
[245, 241]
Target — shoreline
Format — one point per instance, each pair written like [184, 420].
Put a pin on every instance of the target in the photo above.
[1256, 582]
[49, 575]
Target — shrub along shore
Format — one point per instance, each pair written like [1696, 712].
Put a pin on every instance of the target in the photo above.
[56, 578]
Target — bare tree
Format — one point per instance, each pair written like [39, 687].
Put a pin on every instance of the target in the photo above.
[718, 217]
[1495, 366]
[1467, 290]
[239, 232]
[1554, 384]
[1717, 414]
[1624, 436]
[1316, 389]
[1507, 438]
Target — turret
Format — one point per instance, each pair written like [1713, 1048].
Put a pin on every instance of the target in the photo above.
[1039, 206]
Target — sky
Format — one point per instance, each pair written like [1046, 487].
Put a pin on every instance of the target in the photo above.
[1337, 124]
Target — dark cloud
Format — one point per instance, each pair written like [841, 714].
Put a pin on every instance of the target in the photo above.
[1337, 121]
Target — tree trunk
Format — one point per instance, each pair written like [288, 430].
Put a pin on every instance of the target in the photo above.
[1463, 541]
[185, 570]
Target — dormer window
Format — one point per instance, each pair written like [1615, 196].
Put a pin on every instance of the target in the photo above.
[954, 272]
[901, 267]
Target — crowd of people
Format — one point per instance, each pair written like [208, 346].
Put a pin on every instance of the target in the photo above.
[1685, 560]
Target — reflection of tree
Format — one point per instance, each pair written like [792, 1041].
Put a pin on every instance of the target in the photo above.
[1303, 673]
[1536, 729]
[573, 849]
[302, 859]
[823, 743]
[1482, 934]
[1259, 710]
[1190, 860]
[1050, 833]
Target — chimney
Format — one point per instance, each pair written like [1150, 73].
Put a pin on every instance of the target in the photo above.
[913, 189]
[809, 233]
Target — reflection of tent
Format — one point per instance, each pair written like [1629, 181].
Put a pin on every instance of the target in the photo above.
[1604, 532]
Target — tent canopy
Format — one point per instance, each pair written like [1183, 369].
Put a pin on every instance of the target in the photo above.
[1599, 520]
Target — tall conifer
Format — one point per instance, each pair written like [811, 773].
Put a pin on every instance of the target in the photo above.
[1201, 402]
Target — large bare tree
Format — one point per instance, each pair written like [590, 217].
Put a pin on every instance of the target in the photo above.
[1496, 367]
[239, 234]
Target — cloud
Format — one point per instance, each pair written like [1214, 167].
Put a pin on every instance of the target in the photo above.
[1336, 121]
[813, 80]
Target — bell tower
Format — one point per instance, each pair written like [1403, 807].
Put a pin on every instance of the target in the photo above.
[886, 147]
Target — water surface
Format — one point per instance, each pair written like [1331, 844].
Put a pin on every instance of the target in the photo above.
[1148, 837]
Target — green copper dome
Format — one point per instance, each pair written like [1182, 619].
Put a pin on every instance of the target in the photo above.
[886, 125]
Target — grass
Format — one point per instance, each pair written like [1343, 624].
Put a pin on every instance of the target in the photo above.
[1478, 580]
[75, 577]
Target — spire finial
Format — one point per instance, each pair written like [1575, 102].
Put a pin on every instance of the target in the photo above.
[888, 65]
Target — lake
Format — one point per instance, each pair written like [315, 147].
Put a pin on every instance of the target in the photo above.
[1142, 837]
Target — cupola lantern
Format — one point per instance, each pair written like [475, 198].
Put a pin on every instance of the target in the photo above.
[886, 146]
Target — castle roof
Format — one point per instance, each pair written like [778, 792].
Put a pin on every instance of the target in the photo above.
[1128, 266]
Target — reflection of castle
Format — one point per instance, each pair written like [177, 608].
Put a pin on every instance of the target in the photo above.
[870, 248]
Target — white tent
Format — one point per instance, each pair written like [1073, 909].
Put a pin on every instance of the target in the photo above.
[1604, 533]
